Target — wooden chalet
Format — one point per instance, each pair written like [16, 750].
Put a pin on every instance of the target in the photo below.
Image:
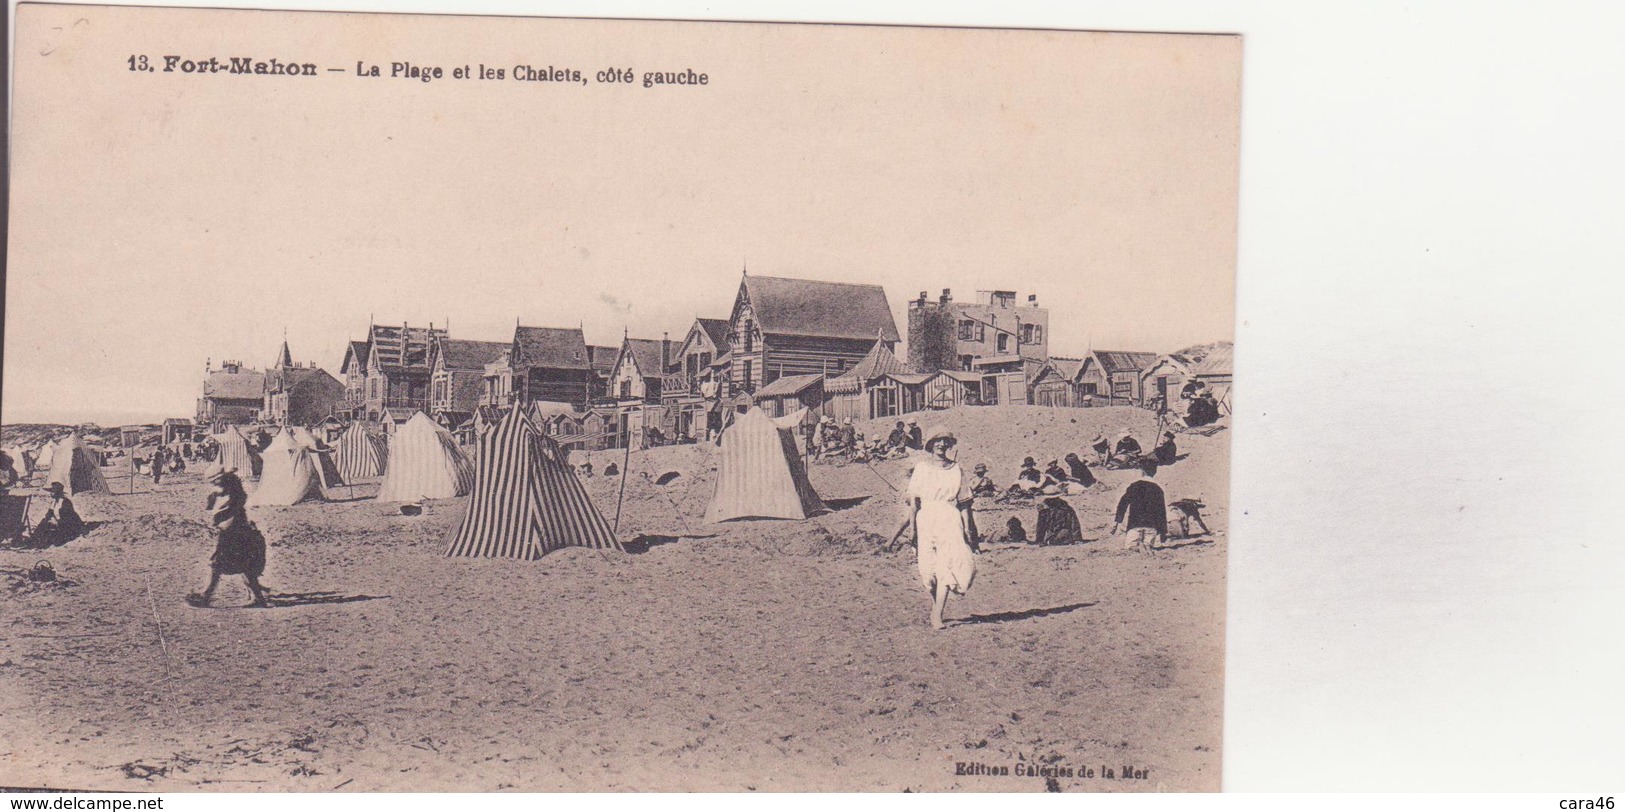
[791, 392]
[457, 377]
[1055, 384]
[232, 396]
[858, 393]
[953, 387]
[398, 371]
[782, 327]
[542, 363]
[353, 372]
[1111, 377]
[299, 394]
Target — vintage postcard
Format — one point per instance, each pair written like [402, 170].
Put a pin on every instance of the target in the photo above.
[407, 402]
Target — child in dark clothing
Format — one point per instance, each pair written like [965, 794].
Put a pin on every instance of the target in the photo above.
[1142, 512]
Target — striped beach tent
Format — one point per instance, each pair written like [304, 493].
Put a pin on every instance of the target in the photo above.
[321, 456]
[360, 454]
[288, 476]
[425, 463]
[236, 453]
[76, 467]
[760, 472]
[527, 501]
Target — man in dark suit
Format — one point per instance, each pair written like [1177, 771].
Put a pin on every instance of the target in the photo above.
[1142, 511]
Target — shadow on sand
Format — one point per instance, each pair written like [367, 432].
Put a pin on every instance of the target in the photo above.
[845, 504]
[1025, 614]
[645, 542]
[284, 599]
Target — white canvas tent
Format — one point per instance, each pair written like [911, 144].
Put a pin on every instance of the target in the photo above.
[76, 467]
[288, 476]
[760, 472]
[425, 463]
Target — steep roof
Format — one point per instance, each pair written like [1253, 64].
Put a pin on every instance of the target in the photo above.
[1219, 361]
[357, 350]
[1123, 361]
[284, 358]
[603, 358]
[1066, 368]
[470, 355]
[551, 347]
[880, 361]
[807, 307]
[402, 347]
[788, 385]
[646, 354]
[718, 331]
[247, 384]
[289, 377]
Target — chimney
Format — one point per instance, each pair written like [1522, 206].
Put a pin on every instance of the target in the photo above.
[922, 298]
[665, 351]
[947, 296]
[1032, 300]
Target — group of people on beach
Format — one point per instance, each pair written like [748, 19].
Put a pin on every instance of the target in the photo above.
[940, 516]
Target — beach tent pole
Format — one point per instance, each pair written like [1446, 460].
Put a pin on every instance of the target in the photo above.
[626, 471]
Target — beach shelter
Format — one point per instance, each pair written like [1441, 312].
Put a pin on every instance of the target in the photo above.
[237, 453]
[320, 455]
[360, 454]
[425, 463]
[289, 474]
[45, 456]
[22, 460]
[760, 472]
[73, 465]
[527, 501]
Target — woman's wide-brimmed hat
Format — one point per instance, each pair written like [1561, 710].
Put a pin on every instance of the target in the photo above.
[219, 477]
[56, 487]
[1029, 462]
[939, 433]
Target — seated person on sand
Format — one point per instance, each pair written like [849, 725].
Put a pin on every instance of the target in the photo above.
[61, 522]
[1166, 452]
[1127, 452]
[1079, 470]
[1058, 523]
[1102, 448]
[898, 437]
[981, 484]
[1056, 473]
[612, 470]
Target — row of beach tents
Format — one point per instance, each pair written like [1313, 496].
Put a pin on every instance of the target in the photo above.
[526, 499]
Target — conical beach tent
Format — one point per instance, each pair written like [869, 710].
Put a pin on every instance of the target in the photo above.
[46, 456]
[321, 456]
[527, 501]
[360, 454]
[760, 473]
[73, 465]
[289, 475]
[425, 463]
[236, 453]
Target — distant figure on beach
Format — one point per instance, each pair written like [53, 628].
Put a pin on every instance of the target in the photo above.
[612, 469]
[8, 471]
[1142, 512]
[981, 484]
[849, 436]
[1166, 452]
[155, 465]
[239, 547]
[61, 523]
[1127, 452]
[1058, 523]
[914, 437]
[938, 501]
[898, 437]
[1079, 470]
[1102, 448]
[586, 469]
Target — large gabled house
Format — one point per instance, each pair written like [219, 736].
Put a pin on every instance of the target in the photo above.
[299, 394]
[232, 396]
[784, 327]
[457, 377]
[397, 379]
[353, 372]
[542, 363]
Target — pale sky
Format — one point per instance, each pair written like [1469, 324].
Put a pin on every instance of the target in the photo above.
[159, 219]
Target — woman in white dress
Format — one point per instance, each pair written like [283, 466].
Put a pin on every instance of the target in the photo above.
[939, 497]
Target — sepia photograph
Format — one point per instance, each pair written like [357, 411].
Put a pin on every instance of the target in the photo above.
[410, 402]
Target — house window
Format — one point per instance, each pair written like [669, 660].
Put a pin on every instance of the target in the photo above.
[1087, 389]
[1032, 333]
[981, 331]
[967, 330]
[749, 337]
[748, 373]
[626, 388]
[1004, 342]
[965, 362]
